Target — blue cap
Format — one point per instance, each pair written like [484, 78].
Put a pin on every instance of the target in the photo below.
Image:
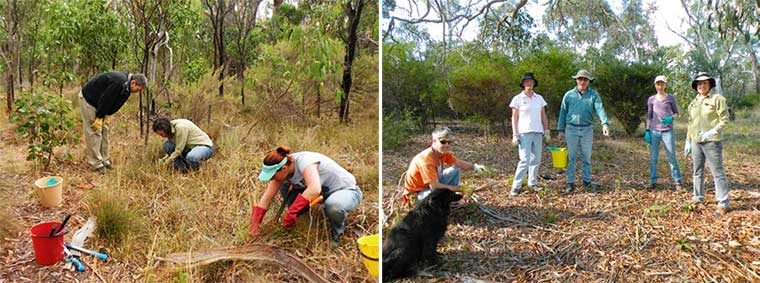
[268, 170]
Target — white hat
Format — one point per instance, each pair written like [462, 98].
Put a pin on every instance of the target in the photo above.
[660, 79]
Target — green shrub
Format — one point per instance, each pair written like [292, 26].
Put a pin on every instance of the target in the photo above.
[625, 88]
[397, 130]
[115, 220]
[44, 121]
[743, 101]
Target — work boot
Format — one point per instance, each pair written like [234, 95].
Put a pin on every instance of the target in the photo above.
[591, 186]
[570, 188]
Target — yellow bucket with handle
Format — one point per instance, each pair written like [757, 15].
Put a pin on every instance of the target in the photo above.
[559, 157]
[369, 246]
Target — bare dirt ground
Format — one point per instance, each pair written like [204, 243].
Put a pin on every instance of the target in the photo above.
[622, 233]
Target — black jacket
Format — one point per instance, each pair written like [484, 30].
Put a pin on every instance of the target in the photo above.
[107, 92]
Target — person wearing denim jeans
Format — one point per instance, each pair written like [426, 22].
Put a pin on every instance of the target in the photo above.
[662, 108]
[186, 145]
[312, 175]
[191, 158]
[576, 116]
[427, 170]
[708, 116]
[529, 128]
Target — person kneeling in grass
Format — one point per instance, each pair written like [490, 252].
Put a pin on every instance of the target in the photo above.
[186, 145]
[302, 178]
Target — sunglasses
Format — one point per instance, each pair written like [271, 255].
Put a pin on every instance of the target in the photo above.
[445, 141]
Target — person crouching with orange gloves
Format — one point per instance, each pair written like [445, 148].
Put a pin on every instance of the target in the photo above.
[308, 175]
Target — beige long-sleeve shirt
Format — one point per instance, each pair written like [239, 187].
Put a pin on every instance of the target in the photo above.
[187, 135]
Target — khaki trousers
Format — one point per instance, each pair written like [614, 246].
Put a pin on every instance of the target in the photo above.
[97, 143]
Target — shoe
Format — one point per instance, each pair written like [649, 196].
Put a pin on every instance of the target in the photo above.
[591, 185]
[679, 188]
[514, 192]
[101, 169]
[536, 188]
[107, 164]
[720, 211]
[335, 238]
[650, 187]
[696, 201]
[570, 188]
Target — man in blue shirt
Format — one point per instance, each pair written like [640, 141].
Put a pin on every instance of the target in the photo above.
[576, 117]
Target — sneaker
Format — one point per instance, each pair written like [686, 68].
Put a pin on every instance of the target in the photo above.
[335, 238]
[101, 169]
[650, 187]
[696, 201]
[720, 211]
[536, 188]
[107, 164]
[514, 192]
[679, 188]
[590, 185]
[570, 188]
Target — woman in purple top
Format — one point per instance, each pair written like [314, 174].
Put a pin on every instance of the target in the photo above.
[662, 109]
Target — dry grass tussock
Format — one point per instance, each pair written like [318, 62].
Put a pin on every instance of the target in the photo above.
[619, 234]
[155, 211]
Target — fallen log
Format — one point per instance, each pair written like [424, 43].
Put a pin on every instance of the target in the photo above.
[248, 253]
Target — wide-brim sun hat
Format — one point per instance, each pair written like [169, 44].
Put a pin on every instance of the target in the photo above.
[703, 76]
[660, 79]
[584, 74]
[528, 76]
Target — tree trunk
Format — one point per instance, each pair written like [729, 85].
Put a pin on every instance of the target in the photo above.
[319, 100]
[755, 67]
[354, 17]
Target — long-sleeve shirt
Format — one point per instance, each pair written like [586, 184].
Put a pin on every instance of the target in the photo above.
[706, 113]
[107, 92]
[578, 109]
[187, 134]
[658, 109]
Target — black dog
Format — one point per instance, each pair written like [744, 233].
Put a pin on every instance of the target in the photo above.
[416, 237]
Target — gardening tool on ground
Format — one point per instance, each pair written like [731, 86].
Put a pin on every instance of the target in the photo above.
[71, 258]
[65, 220]
[101, 256]
[291, 196]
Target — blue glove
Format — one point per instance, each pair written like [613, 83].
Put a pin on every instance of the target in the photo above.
[648, 137]
[667, 120]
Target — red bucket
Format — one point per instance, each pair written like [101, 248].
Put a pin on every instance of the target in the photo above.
[47, 250]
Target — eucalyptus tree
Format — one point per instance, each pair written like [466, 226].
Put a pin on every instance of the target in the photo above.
[217, 11]
[244, 14]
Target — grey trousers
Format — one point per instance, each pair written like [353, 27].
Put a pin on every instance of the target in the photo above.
[712, 152]
[97, 143]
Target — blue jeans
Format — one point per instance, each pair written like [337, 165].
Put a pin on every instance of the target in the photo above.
[336, 205]
[530, 158]
[450, 176]
[583, 137]
[669, 141]
[190, 158]
[712, 152]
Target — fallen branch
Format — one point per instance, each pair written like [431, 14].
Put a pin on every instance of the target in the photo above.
[249, 252]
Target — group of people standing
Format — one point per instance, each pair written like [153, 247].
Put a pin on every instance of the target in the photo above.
[708, 116]
[311, 176]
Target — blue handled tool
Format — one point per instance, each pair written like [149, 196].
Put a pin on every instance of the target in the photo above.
[100, 256]
[73, 260]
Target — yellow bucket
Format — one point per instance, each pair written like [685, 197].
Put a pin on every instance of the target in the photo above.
[559, 157]
[369, 246]
[49, 189]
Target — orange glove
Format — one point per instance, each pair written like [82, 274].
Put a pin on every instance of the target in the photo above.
[256, 216]
[290, 217]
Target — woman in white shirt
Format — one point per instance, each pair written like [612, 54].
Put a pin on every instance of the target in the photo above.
[529, 127]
